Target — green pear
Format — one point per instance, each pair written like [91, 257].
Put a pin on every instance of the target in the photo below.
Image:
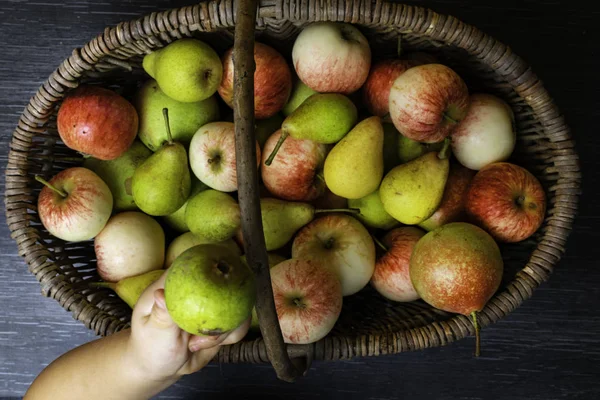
[176, 220]
[118, 174]
[354, 167]
[186, 118]
[209, 291]
[391, 137]
[162, 184]
[187, 70]
[409, 149]
[187, 240]
[412, 192]
[266, 127]
[300, 92]
[323, 117]
[213, 215]
[281, 219]
[372, 212]
[130, 289]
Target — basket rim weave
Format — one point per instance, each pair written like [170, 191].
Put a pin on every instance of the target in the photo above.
[116, 43]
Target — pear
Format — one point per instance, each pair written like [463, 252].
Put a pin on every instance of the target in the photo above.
[266, 127]
[372, 212]
[409, 149]
[176, 220]
[118, 174]
[300, 92]
[162, 184]
[187, 240]
[186, 118]
[130, 289]
[212, 215]
[457, 268]
[187, 70]
[354, 167]
[323, 117]
[412, 192]
[209, 291]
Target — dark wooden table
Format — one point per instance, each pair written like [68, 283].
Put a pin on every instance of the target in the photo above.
[549, 348]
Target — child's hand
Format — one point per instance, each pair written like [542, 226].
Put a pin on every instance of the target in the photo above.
[160, 350]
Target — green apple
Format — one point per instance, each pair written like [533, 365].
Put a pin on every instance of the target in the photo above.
[409, 149]
[372, 212]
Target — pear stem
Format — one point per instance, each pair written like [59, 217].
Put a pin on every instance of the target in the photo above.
[449, 118]
[320, 177]
[50, 186]
[379, 243]
[103, 285]
[477, 334]
[348, 210]
[282, 138]
[167, 125]
[445, 151]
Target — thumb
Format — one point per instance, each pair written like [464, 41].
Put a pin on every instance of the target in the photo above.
[159, 316]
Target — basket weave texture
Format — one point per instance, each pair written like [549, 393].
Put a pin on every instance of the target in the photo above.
[369, 325]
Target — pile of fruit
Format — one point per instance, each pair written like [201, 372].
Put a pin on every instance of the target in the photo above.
[388, 173]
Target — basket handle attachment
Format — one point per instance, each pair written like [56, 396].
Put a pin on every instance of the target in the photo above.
[248, 193]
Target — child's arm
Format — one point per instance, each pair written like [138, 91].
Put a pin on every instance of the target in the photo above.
[136, 363]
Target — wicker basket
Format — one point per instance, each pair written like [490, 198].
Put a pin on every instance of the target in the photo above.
[369, 325]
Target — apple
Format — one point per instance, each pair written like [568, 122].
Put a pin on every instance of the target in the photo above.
[75, 205]
[272, 81]
[97, 122]
[341, 243]
[212, 156]
[487, 134]
[391, 277]
[427, 102]
[376, 90]
[332, 57]
[296, 172]
[131, 243]
[507, 201]
[308, 300]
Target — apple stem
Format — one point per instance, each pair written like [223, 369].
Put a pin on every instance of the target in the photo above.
[103, 285]
[449, 118]
[477, 334]
[50, 186]
[445, 151]
[348, 210]
[167, 125]
[378, 242]
[282, 138]
[520, 200]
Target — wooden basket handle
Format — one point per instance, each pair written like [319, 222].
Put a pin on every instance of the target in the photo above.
[248, 193]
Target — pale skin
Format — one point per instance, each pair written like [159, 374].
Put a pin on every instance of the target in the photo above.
[135, 363]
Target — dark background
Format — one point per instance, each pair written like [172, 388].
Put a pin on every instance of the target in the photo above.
[549, 348]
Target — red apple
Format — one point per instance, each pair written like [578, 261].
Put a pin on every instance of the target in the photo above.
[308, 299]
[507, 201]
[376, 90]
[332, 57]
[392, 276]
[427, 102]
[272, 81]
[75, 205]
[97, 121]
[293, 174]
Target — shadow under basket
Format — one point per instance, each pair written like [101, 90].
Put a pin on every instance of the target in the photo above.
[369, 324]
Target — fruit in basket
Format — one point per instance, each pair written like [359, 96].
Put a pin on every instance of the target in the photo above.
[297, 171]
[162, 184]
[130, 289]
[332, 57]
[487, 134]
[264, 128]
[118, 173]
[391, 277]
[187, 70]
[340, 243]
[452, 206]
[185, 119]
[457, 268]
[330, 201]
[187, 240]
[354, 167]
[409, 149]
[272, 80]
[308, 300]
[376, 90]
[372, 212]
[282, 219]
[427, 102]
[324, 118]
[391, 136]
[176, 220]
[209, 291]
[75, 204]
[412, 192]
[212, 156]
[300, 92]
[213, 215]
[507, 201]
[131, 243]
[96, 121]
